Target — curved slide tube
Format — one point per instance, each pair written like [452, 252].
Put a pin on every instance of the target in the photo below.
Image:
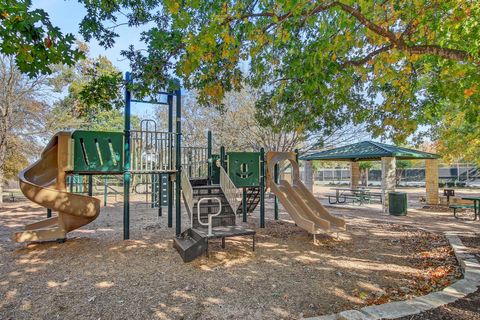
[307, 212]
[44, 183]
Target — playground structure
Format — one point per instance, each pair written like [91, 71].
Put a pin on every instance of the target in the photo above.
[155, 164]
[138, 153]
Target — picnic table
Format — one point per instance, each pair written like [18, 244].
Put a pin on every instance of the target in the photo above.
[476, 205]
[359, 194]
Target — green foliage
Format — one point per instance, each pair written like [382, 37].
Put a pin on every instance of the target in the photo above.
[365, 165]
[94, 96]
[403, 164]
[459, 138]
[390, 64]
[30, 37]
[15, 159]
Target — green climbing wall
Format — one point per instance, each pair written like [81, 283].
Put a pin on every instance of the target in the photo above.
[97, 151]
[244, 168]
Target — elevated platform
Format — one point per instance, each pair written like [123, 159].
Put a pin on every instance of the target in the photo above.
[193, 243]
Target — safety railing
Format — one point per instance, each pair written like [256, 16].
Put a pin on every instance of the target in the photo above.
[187, 194]
[229, 189]
[152, 151]
[195, 161]
[210, 216]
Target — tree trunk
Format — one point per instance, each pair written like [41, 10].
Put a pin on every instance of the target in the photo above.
[1, 186]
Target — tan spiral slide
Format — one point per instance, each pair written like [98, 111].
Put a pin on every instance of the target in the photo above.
[307, 212]
[44, 183]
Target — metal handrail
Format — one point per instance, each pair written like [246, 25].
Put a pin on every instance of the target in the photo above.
[210, 216]
[187, 193]
[229, 189]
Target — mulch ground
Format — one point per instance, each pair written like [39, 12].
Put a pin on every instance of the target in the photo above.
[97, 275]
[467, 308]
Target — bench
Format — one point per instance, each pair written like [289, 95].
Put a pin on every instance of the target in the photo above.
[373, 196]
[455, 207]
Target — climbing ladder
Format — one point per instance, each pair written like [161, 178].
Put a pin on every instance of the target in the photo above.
[253, 199]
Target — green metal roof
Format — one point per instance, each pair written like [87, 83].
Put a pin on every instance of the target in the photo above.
[368, 151]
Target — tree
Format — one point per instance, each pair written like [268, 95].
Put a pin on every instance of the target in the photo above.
[241, 125]
[390, 64]
[23, 112]
[29, 37]
[401, 166]
[365, 167]
[91, 102]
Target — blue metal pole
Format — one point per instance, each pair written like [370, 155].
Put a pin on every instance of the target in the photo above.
[126, 157]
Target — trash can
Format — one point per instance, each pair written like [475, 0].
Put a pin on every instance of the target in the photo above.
[397, 203]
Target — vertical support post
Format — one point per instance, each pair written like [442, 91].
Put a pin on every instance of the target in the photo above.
[105, 190]
[308, 175]
[126, 157]
[49, 213]
[222, 158]
[170, 161]
[209, 156]
[152, 185]
[431, 181]
[90, 185]
[275, 180]
[159, 195]
[71, 183]
[262, 188]
[178, 163]
[244, 205]
[354, 174]
[388, 179]
[190, 159]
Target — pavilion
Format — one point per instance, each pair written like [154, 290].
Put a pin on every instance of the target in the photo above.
[376, 151]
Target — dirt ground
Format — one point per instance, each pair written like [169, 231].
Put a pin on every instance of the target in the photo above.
[96, 275]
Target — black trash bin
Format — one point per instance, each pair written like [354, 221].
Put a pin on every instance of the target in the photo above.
[397, 203]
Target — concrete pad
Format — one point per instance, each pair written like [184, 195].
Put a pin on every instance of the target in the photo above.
[437, 299]
[354, 315]
[472, 263]
[461, 288]
[392, 310]
[326, 317]
[472, 274]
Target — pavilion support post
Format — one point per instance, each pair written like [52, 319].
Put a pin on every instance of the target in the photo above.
[431, 181]
[308, 175]
[354, 174]
[388, 179]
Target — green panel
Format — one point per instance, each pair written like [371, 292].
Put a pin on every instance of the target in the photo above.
[97, 151]
[214, 163]
[244, 168]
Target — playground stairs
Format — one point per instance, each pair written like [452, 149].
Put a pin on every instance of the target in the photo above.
[225, 218]
[191, 244]
[253, 199]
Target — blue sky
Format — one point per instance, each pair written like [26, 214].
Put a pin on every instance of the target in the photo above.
[67, 15]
